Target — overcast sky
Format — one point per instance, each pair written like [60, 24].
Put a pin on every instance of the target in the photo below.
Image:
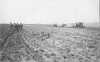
[49, 11]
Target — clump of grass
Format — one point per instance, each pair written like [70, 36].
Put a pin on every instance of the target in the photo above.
[11, 41]
[17, 27]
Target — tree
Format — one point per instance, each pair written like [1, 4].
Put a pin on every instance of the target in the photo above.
[79, 25]
[55, 25]
[63, 25]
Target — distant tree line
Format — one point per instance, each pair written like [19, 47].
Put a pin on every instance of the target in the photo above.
[75, 25]
[63, 25]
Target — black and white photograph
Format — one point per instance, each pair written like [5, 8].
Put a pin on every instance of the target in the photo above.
[49, 31]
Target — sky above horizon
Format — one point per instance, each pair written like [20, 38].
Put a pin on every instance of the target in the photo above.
[49, 11]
